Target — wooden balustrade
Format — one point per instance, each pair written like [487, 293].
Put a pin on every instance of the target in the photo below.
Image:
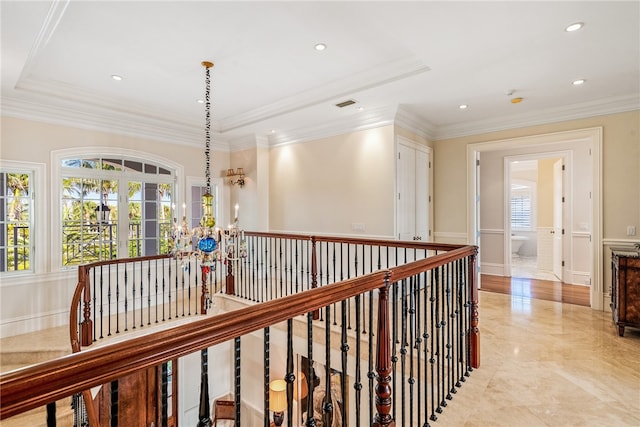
[38, 385]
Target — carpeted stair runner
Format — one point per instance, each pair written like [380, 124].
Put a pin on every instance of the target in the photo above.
[27, 349]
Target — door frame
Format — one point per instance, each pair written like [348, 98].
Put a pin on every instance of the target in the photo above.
[566, 207]
[590, 138]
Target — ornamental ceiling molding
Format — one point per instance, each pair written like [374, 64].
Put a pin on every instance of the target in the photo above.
[330, 93]
[583, 110]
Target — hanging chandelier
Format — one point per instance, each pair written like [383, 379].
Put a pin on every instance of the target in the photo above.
[212, 244]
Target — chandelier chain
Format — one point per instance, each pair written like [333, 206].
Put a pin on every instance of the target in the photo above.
[207, 129]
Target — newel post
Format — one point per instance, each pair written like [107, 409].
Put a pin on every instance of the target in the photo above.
[474, 338]
[314, 272]
[383, 360]
[86, 327]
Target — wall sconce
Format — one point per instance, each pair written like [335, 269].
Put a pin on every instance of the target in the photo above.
[278, 400]
[232, 174]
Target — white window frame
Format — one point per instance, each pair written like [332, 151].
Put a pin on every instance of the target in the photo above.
[531, 192]
[84, 152]
[38, 223]
[217, 188]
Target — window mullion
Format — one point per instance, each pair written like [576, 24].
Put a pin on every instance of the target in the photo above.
[123, 217]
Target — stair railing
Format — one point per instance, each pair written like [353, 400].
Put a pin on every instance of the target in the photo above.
[445, 282]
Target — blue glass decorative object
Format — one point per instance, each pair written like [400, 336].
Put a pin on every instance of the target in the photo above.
[207, 244]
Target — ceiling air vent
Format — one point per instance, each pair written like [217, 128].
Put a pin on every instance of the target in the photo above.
[345, 103]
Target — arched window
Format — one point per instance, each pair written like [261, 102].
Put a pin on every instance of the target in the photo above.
[114, 207]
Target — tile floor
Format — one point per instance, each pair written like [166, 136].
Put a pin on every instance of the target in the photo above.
[523, 266]
[546, 363]
[543, 363]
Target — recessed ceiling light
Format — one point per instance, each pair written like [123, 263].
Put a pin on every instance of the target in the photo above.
[200, 101]
[360, 108]
[516, 100]
[574, 27]
[320, 46]
[578, 82]
[116, 77]
[463, 107]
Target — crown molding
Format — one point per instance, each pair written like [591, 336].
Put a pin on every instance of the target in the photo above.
[370, 119]
[414, 123]
[331, 92]
[125, 122]
[582, 110]
[92, 117]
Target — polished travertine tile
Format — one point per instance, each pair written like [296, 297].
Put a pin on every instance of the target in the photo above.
[546, 363]
[543, 363]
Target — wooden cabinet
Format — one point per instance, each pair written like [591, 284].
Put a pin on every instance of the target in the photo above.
[625, 288]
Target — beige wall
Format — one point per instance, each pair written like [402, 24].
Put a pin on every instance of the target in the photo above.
[33, 141]
[620, 172]
[244, 197]
[325, 186]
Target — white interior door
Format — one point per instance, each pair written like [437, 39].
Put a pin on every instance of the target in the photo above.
[557, 218]
[406, 192]
[413, 186]
[422, 195]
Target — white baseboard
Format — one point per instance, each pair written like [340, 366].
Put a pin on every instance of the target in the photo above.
[578, 278]
[492, 269]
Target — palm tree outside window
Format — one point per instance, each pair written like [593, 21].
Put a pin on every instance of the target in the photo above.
[114, 208]
[16, 216]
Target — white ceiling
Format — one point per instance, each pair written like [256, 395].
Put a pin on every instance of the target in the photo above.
[412, 63]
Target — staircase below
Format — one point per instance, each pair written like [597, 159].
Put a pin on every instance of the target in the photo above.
[27, 349]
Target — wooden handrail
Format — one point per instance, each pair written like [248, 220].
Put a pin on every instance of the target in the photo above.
[92, 367]
[415, 267]
[123, 261]
[360, 241]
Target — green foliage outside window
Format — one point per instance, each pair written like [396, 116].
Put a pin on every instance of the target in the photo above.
[15, 230]
[145, 224]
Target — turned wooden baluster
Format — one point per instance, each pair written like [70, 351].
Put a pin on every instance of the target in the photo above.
[383, 360]
[86, 327]
[231, 282]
